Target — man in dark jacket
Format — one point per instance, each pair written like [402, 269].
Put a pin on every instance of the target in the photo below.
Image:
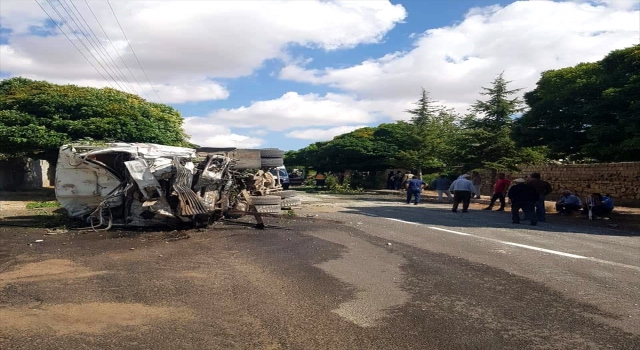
[523, 196]
[543, 188]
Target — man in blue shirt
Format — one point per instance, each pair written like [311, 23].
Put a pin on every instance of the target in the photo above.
[441, 185]
[568, 203]
[601, 205]
[462, 189]
[414, 189]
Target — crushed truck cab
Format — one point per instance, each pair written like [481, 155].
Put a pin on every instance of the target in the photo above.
[138, 184]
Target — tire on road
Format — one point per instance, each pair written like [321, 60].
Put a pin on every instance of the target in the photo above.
[265, 200]
[285, 194]
[291, 202]
[268, 208]
[272, 162]
[271, 153]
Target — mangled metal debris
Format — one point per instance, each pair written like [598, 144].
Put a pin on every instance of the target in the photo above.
[134, 184]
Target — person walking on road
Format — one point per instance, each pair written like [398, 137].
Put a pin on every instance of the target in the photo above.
[414, 189]
[543, 188]
[523, 196]
[477, 184]
[462, 189]
[499, 191]
[441, 185]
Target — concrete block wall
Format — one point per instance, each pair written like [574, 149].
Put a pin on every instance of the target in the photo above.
[36, 174]
[620, 180]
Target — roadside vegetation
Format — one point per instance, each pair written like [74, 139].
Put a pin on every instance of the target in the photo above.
[37, 117]
[42, 205]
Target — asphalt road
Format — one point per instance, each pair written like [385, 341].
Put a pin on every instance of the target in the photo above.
[362, 274]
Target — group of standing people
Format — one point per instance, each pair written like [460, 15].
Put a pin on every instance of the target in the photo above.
[527, 195]
[395, 180]
[524, 195]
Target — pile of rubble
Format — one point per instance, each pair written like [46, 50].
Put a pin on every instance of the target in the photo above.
[129, 184]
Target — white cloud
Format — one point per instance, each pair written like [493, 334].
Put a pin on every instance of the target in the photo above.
[206, 132]
[322, 134]
[522, 39]
[182, 43]
[293, 110]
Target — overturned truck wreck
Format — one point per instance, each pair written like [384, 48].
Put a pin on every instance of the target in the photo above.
[133, 184]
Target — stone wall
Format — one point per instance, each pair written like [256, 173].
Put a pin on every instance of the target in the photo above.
[31, 175]
[620, 180]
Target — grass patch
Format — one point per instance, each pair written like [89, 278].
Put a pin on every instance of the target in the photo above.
[334, 190]
[41, 205]
[291, 213]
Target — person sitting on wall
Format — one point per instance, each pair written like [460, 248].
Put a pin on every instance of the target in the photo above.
[568, 203]
[600, 205]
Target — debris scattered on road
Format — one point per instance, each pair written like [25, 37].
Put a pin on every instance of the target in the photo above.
[38, 241]
[389, 243]
[132, 248]
[56, 231]
[176, 236]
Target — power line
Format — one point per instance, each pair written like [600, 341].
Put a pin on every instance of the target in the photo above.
[95, 45]
[133, 51]
[116, 50]
[83, 44]
[104, 50]
[74, 45]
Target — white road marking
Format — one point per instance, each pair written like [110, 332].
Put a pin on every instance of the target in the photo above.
[406, 222]
[544, 250]
[456, 232]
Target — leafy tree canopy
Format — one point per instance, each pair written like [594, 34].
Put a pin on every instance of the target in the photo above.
[37, 117]
[587, 112]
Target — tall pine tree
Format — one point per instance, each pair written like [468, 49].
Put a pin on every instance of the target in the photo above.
[485, 141]
[498, 110]
[426, 135]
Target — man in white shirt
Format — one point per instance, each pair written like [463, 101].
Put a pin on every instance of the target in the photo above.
[462, 189]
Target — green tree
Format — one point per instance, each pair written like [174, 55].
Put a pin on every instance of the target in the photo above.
[357, 150]
[426, 136]
[485, 140]
[497, 112]
[589, 112]
[37, 117]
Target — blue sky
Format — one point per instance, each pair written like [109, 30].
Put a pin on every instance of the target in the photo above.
[288, 73]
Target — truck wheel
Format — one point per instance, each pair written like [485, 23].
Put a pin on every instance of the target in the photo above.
[290, 202]
[268, 208]
[285, 194]
[265, 200]
[271, 153]
[272, 162]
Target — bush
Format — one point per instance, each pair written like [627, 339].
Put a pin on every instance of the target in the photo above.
[345, 188]
[428, 178]
[40, 205]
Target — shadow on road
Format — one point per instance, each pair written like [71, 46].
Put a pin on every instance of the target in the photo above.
[477, 218]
